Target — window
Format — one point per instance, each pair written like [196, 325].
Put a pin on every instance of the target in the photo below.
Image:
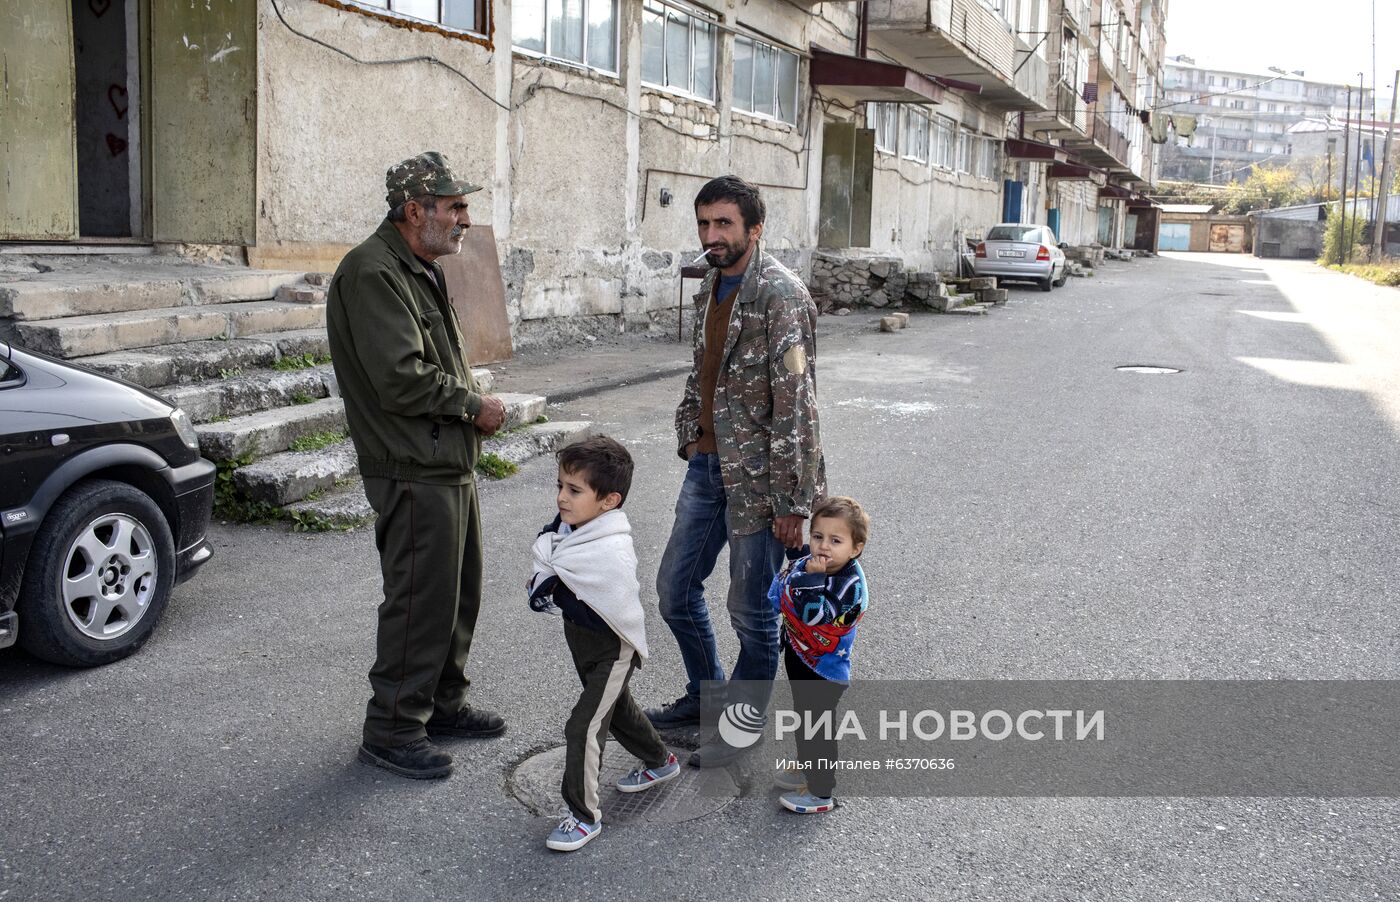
[678, 51]
[915, 134]
[463, 15]
[884, 118]
[964, 158]
[580, 31]
[987, 158]
[10, 374]
[944, 131]
[1239, 82]
[765, 80]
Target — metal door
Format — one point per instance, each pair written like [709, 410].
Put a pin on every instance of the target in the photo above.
[38, 160]
[1227, 239]
[848, 173]
[204, 121]
[1174, 236]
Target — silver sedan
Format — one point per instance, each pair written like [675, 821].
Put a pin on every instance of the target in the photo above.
[1014, 250]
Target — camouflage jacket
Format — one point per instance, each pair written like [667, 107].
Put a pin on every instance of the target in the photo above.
[765, 402]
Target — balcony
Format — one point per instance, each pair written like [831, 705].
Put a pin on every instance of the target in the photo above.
[1079, 13]
[963, 40]
[1105, 146]
[1068, 119]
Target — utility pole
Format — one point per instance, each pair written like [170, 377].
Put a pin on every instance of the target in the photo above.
[1381, 205]
[1356, 176]
[1346, 151]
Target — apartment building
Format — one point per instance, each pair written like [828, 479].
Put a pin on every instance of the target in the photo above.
[262, 128]
[1243, 118]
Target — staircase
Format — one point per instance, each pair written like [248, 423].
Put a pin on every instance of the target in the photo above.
[245, 353]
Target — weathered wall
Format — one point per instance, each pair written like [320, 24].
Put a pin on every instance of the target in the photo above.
[1292, 239]
[329, 127]
[573, 172]
[1078, 201]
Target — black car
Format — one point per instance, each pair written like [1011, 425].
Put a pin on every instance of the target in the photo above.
[104, 504]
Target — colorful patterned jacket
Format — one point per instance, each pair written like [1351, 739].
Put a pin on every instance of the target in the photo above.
[765, 403]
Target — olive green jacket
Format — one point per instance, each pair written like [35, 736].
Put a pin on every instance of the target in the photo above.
[402, 365]
[765, 402]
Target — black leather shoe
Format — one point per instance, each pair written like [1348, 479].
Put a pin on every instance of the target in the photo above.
[683, 712]
[470, 723]
[419, 760]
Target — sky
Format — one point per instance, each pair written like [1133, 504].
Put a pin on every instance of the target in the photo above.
[1329, 40]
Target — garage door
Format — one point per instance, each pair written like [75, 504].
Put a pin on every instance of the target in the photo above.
[1174, 236]
[1227, 239]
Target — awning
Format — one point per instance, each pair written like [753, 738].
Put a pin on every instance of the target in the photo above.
[1021, 149]
[854, 79]
[1078, 171]
[1116, 192]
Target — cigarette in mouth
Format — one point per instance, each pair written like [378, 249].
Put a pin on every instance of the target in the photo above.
[703, 255]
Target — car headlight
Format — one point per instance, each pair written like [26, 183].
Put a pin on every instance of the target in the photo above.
[185, 429]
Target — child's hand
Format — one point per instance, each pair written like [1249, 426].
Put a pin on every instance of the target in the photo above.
[816, 564]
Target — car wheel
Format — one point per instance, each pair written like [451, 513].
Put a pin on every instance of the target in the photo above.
[1064, 277]
[98, 576]
[1048, 282]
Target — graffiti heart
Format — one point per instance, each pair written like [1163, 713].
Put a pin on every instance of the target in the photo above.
[116, 144]
[116, 96]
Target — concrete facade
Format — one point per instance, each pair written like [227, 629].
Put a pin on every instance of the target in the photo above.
[590, 168]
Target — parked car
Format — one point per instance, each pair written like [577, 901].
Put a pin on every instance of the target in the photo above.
[104, 504]
[1014, 250]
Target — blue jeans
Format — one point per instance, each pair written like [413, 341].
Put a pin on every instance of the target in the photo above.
[700, 531]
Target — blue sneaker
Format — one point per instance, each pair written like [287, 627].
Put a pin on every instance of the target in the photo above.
[647, 777]
[572, 834]
[806, 803]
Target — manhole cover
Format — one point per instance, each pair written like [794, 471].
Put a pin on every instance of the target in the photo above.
[1148, 370]
[695, 793]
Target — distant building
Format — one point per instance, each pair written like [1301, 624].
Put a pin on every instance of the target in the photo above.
[1243, 117]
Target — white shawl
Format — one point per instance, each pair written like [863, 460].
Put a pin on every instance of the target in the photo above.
[598, 564]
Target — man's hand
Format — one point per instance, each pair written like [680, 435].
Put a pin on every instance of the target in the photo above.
[491, 416]
[789, 530]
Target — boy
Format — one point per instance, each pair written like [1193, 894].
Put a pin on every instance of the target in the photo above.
[820, 599]
[586, 569]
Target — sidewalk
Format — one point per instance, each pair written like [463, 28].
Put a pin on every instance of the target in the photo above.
[589, 367]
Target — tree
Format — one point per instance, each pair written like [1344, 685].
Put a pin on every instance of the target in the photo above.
[1267, 188]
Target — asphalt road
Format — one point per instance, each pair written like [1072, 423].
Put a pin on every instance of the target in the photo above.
[1037, 515]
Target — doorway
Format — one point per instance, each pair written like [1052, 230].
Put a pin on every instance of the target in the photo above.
[107, 117]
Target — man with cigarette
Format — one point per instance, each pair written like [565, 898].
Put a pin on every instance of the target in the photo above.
[747, 429]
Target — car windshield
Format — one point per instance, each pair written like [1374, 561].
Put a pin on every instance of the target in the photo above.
[1014, 233]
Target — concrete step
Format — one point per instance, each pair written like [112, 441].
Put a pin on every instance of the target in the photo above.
[969, 310]
[346, 507]
[117, 290]
[269, 431]
[258, 390]
[527, 442]
[292, 475]
[80, 336]
[521, 410]
[166, 365]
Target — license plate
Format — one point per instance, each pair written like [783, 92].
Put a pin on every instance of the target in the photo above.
[1010, 254]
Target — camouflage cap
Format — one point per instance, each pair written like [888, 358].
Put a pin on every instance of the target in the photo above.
[427, 173]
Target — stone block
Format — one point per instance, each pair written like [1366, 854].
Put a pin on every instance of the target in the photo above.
[890, 324]
[903, 319]
[982, 283]
[877, 298]
[994, 295]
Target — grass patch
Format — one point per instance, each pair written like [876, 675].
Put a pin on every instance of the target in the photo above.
[318, 440]
[541, 419]
[302, 397]
[495, 467]
[300, 361]
[221, 418]
[307, 521]
[1387, 274]
[231, 372]
[228, 505]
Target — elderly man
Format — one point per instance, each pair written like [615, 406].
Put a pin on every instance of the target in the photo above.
[747, 428]
[416, 418]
